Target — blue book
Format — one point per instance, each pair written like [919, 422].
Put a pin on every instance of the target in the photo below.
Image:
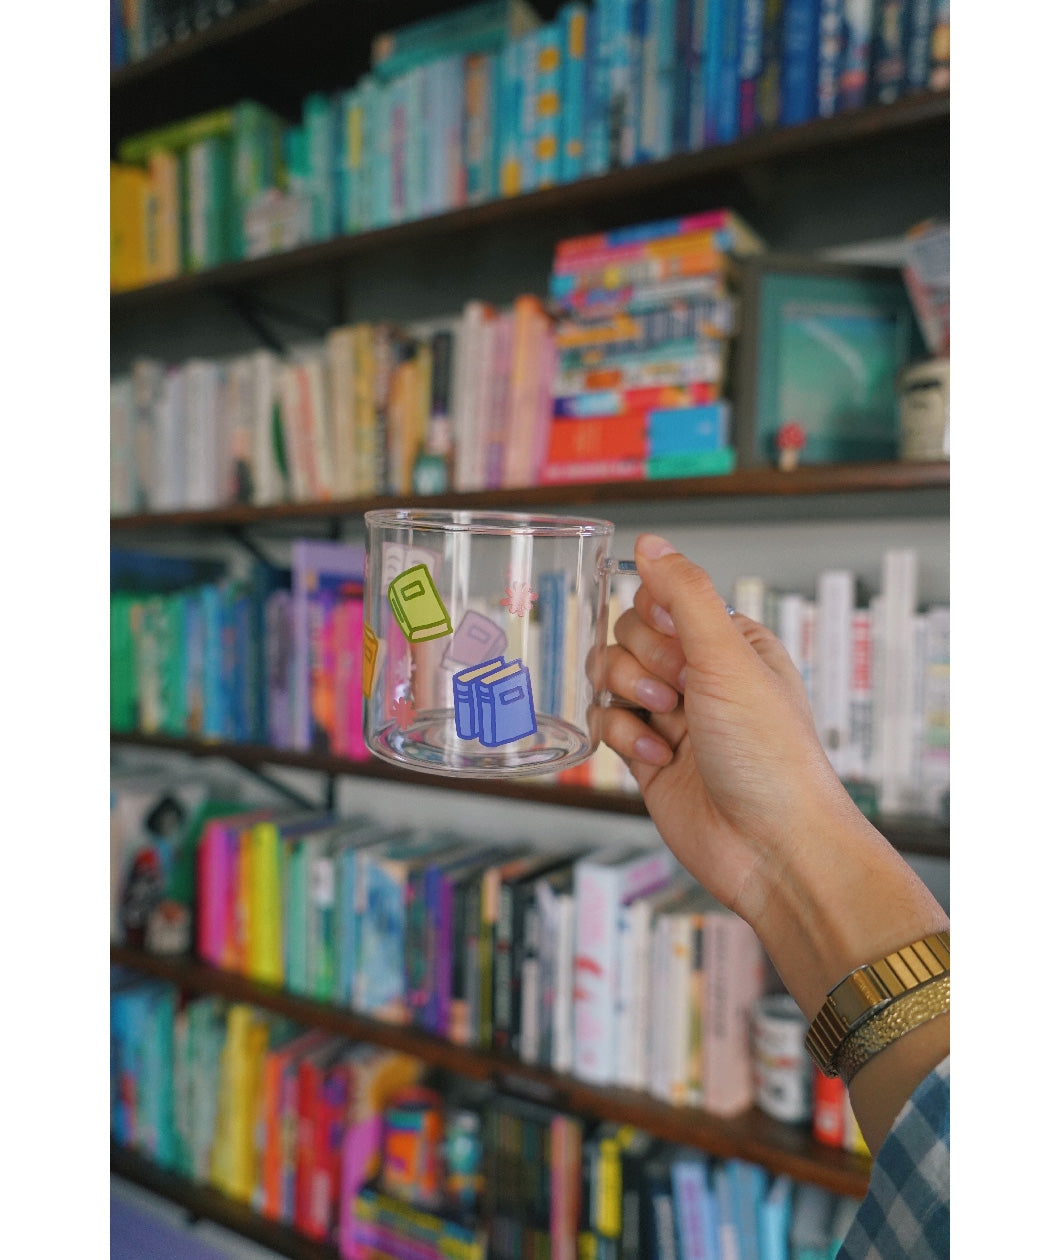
[695, 1210]
[767, 88]
[505, 702]
[713, 49]
[855, 41]
[774, 1220]
[749, 1183]
[725, 1201]
[684, 72]
[887, 59]
[465, 707]
[829, 57]
[918, 45]
[752, 25]
[697, 109]
[729, 79]
[678, 430]
[798, 67]
[640, 50]
[574, 22]
[552, 610]
[598, 89]
[213, 721]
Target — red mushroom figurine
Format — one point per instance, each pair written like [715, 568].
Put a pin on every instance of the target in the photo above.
[790, 441]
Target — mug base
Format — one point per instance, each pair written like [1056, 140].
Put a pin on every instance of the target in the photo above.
[431, 744]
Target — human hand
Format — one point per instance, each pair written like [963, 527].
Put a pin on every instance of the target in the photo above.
[728, 760]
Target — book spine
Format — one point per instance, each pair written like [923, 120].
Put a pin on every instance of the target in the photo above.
[835, 604]
[598, 82]
[918, 45]
[547, 89]
[799, 62]
[767, 87]
[750, 66]
[479, 122]
[510, 117]
[887, 58]
[573, 19]
[829, 57]
[856, 52]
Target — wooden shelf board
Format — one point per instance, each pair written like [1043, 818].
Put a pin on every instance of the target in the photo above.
[211, 1204]
[909, 835]
[812, 479]
[752, 1135]
[847, 131]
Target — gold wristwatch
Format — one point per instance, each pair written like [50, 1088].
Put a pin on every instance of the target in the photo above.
[869, 990]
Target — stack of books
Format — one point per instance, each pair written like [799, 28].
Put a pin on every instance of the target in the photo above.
[647, 314]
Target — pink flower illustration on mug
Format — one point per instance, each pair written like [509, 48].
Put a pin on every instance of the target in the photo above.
[404, 712]
[519, 599]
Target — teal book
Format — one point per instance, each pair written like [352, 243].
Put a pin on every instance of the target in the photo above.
[480, 126]
[774, 1220]
[257, 136]
[547, 93]
[528, 47]
[293, 873]
[509, 115]
[207, 182]
[573, 22]
[320, 123]
[382, 159]
[419, 108]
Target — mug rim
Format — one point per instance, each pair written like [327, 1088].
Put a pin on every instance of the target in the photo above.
[471, 521]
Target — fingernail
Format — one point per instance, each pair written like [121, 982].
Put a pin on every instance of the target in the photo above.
[654, 695]
[663, 620]
[653, 751]
[652, 546]
[682, 678]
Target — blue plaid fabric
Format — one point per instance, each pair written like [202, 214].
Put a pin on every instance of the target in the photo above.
[906, 1213]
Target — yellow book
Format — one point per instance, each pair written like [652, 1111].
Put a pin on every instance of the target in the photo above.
[128, 205]
[364, 417]
[163, 217]
[222, 1152]
[250, 1078]
[266, 904]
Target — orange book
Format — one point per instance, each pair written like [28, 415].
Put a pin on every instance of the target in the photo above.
[607, 437]
[277, 1119]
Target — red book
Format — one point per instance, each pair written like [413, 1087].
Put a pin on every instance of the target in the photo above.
[311, 1182]
[279, 1100]
[607, 437]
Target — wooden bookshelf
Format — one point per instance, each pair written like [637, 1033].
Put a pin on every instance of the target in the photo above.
[765, 482]
[209, 1204]
[909, 835]
[752, 1135]
[914, 126]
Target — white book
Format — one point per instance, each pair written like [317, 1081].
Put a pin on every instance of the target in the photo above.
[295, 433]
[934, 751]
[603, 883]
[835, 609]
[749, 597]
[121, 445]
[791, 608]
[563, 1004]
[147, 379]
[237, 484]
[680, 1023]
[894, 727]
[268, 484]
[660, 1036]
[808, 661]
[862, 698]
[625, 1011]
[201, 451]
[312, 383]
[468, 384]
[170, 440]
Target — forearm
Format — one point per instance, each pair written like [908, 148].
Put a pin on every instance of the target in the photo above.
[837, 896]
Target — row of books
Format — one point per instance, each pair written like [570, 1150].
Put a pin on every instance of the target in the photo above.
[345, 1143]
[877, 670]
[270, 656]
[488, 101]
[139, 28]
[645, 319]
[608, 962]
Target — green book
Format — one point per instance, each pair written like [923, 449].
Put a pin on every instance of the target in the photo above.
[176, 136]
[417, 605]
[206, 168]
[123, 700]
[699, 464]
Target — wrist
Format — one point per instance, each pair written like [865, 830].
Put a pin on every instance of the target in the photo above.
[835, 896]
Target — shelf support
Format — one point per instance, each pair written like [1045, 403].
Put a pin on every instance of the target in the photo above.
[292, 794]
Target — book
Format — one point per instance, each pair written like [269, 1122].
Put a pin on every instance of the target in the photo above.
[695, 1211]
[811, 1218]
[733, 980]
[799, 61]
[888, 50]
[894, 681]
[602, 884]
[835, 596]
[573, 19]
[774, 1219]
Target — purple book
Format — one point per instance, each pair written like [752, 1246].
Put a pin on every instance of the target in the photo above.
[321, 572]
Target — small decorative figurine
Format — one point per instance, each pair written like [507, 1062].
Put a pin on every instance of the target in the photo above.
[790, 441]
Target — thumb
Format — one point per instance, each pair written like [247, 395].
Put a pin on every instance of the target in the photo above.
[704, 627]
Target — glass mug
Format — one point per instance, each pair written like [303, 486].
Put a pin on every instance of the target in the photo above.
[479, 638]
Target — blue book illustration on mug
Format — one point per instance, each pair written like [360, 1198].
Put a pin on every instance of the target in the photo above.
[505, 705]
[465, 702]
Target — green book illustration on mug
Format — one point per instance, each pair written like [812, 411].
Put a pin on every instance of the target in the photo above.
[417, 605]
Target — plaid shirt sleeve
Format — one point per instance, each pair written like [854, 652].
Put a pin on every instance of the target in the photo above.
[906, 1213]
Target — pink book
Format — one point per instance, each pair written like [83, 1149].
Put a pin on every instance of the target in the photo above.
[733, 980]
[218, 857]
